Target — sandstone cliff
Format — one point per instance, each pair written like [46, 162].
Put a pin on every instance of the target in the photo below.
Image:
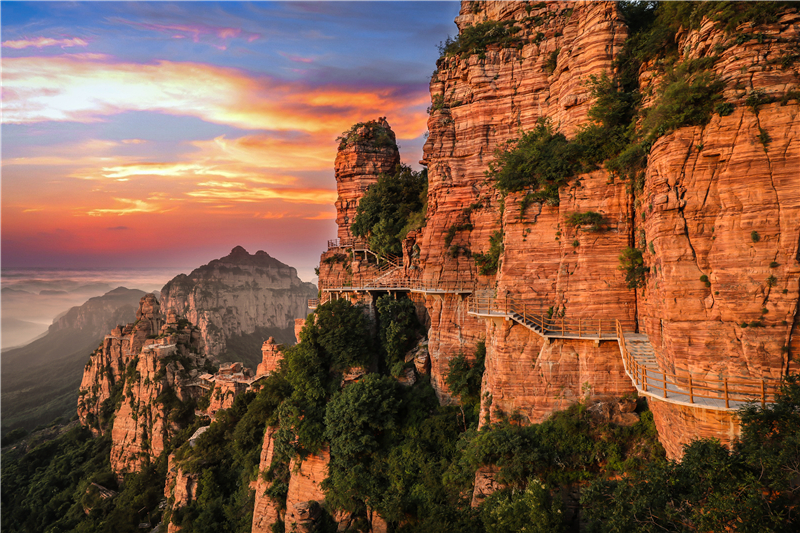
[717, 202]
[140, 384]
[485, 101]
[365, 151]
[238, 297]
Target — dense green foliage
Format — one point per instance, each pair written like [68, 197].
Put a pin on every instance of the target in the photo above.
[47, 488]
[371, 135]
[338, 338]
[464, 377]
[489, 262]
[589, 218]
[399, 328]
[391, 208]
[532, 509]
[631, 261]
[475, 39]
[226, 457]
[541, 160]
[750, 488]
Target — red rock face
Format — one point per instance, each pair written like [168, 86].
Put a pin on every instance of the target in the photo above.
[487, 102]
[266, 511]
[142, 370]
[359, 161]
[270, 357]
[706, 190]
[305, 493]
[678, 425]
[181, 486]
[719, 203]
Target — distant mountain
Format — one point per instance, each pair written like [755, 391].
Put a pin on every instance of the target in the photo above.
[239, 301]
[18, 332]
[40, 380]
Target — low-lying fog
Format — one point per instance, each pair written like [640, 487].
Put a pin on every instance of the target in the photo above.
[33, 297]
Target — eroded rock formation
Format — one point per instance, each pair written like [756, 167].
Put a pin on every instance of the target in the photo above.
[367, 150]
[144, 375]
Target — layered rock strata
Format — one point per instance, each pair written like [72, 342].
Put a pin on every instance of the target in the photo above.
[237, 295]
[366, 151]
[305, 497]
[722, 203]
[143, 374]
[267, 511]
[485, 102]
[719, 202]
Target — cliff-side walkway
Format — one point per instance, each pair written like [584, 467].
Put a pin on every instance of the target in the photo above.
[727, 393]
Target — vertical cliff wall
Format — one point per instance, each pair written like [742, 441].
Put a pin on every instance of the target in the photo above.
[722, 202]
[481, 101]
[365, 151]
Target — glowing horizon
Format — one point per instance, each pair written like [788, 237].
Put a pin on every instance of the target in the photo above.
[139, 131]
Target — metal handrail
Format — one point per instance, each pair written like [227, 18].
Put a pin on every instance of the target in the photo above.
[726, 389]
[531, 315]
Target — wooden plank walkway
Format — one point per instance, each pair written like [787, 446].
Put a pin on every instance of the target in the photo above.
[638, 356]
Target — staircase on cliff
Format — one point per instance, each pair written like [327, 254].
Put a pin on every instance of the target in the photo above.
[638, 356]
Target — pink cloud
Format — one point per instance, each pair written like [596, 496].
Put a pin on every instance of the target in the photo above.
[42, 42]
[197, 32]
[69, 88]
[296, 58]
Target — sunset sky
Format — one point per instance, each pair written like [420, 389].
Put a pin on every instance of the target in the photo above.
[165, 134]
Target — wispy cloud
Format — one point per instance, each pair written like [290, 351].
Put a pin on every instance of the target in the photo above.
[296, 58]
[42, 42]
[66, 88]
[217, 36]
[128, 207]
[244, 192]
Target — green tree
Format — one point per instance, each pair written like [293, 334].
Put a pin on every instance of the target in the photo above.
[359, 424]
[384, 212]
[399, 327]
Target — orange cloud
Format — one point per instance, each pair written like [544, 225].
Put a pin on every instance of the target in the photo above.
[129, 207]
[41, 42]
[242, 192]
[325, 215]
[66, 88]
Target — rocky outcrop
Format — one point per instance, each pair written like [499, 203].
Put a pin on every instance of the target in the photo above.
[305, 498]
[144, 375]
[230, 381]
[270, 357]
[266, 511]
[365, 151]
[238, 295]
[180, 488]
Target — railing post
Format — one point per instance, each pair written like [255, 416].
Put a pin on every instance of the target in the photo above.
[726, 393]
[763, 398]
[562, 326]
[580, 321]
[691, 392]
[600, 328]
